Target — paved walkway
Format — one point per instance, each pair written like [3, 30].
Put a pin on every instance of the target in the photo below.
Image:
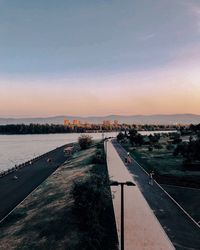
[182, 231]
[142, 229]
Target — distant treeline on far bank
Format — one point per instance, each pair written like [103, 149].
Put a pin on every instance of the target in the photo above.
[89, 128]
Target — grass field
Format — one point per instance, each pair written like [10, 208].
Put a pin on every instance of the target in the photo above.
[168, 168]
[46, 220]
[161, 160]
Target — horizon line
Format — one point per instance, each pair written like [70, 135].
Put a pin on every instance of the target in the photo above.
[89, 116]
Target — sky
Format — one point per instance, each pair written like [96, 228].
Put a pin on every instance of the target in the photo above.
[99, 57]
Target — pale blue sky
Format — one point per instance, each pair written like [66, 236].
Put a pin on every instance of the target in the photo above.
[95, 42]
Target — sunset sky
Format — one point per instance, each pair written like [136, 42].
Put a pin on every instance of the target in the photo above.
[99, 57]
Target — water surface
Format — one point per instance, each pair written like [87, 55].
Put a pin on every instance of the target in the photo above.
[16, 149]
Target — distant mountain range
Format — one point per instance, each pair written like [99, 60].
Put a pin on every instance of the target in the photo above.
[133, 119]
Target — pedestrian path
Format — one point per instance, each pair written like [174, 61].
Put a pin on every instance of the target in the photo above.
[142, 230]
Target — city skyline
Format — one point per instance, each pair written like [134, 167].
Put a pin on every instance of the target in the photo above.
[99, 58]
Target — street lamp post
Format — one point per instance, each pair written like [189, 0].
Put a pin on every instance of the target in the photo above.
[121, 184]
[106, 141]
[102, 135]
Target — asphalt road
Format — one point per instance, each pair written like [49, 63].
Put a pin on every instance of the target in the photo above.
[188, 198]
[12, 192]
[183, 233]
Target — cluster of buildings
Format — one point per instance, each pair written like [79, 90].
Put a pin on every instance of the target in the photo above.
[106, 123]
[76, 123]
[110, 123]
[68, 122]
[115, 125]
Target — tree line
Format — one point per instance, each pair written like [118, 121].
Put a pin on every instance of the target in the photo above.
[49, 129]
[189, 150]
[37, 129]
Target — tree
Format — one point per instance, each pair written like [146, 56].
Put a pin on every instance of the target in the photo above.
[154, 138]
[91, 199]
[120, 136]
[135, 138]
[132, 132]
[139, 140]
[84, 141]
[189, 150]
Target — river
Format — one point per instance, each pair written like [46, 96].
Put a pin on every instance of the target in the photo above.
[16, 149]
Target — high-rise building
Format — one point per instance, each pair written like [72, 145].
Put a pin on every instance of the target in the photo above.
[66, 122]
[106, 123]
[116, 123]
[76, 122]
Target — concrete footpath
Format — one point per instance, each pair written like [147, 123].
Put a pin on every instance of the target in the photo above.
[12, 191]
[142, 229]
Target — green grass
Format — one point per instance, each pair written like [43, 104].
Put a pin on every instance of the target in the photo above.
[160, 160]
[46, 220]
[168, 168]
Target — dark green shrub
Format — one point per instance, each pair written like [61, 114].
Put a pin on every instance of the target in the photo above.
[158, 146]
[99, 157]
[150, 149]
[91, 198]
[120, 136]
[84, 141]
[169, 147]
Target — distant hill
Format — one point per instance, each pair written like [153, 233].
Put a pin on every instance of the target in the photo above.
[133, 119]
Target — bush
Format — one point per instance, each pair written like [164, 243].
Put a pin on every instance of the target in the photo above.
[91, 198]
[169, 147]
[150, 149]
[177, 141]
[120, 136]
[158, 146]
[98, 158]
[84, 141]
[136, 139]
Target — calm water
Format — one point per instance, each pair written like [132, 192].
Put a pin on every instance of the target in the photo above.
[16, 149]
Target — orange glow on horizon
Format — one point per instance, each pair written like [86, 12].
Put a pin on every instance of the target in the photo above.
[162, 92]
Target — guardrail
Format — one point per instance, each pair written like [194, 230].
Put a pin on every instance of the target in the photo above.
[28, 163]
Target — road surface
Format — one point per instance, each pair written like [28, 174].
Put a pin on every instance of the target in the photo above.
[12, 192]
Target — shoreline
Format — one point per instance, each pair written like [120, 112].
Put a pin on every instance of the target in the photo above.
[30, 162]
[13, 191]
[52, 217]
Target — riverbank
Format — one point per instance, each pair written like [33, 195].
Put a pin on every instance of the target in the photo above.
[52, 216]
